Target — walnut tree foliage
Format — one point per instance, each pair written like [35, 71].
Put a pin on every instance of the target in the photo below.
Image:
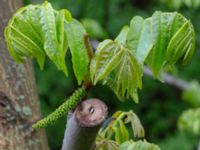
[40, 31]
[158, 41]
[115, 135]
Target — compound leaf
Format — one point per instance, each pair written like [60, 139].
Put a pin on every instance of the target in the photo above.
[116, 66]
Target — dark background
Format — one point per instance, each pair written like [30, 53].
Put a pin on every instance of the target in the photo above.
[160, 104]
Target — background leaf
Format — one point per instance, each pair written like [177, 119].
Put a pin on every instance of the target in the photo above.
[190, 121]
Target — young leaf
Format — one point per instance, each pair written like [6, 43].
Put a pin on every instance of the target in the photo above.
[121, 132]
[118, 124]
[103, 55]
[159, 41]
[139, 145]
[80, 59]
[117, 67]
[23, 37]
[53, 30]
[121, 38]
[139, 38]
[181, 44]
[135, 124]
[36, 30]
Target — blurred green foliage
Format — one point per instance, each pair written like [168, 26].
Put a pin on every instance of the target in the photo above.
[160, 104]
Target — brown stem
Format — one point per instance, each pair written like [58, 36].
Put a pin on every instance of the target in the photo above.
[84, 124]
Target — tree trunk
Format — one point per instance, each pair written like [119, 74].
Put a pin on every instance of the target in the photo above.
[19, 105]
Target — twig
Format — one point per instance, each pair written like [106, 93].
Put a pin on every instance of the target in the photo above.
[171, 80]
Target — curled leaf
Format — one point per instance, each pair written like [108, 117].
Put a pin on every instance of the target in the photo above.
[139, 145]
[80, 58]
[38, 30]
[117, 126]
[161, 40]
[24, 35]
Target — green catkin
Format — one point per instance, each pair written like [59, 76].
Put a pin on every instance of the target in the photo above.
[61, 110]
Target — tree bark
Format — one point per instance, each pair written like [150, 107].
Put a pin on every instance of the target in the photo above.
[83, 125]
[19, 105]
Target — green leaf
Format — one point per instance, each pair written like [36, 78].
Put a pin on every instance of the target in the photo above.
[121, 38]
[139, 38]
[105, 144]
[182, 43]
[80, 59]
[121, 132]
[103, 54]
[23, 37]
[139, 145]
[117, 67]
[135, 124]
[160, 30]
[52, 26]
[36, 31]
[158, 41]
[128, 145]
[161, 40]
[117, 125]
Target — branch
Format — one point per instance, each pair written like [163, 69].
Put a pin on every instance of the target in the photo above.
[83, 125]
[171, 80]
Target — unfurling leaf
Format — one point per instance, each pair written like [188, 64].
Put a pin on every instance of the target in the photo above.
[39, 30]
[55, 44]
[117, 127]
[135, 124]
[80, 59]
[161, 40]
[158, 41]
[106, 144]
[116, 66]
[24, 35]
[121, 132]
